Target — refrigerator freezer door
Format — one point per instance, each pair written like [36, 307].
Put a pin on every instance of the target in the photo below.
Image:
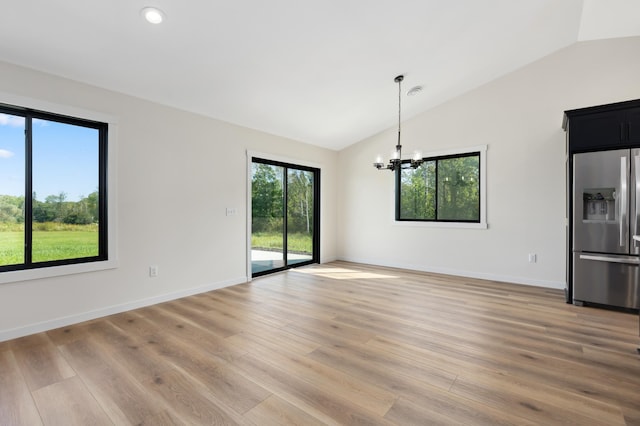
[607, 280]
[601, 200]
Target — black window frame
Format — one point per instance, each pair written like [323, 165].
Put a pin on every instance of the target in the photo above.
[316, 215]
[29, 115]
[436, 159]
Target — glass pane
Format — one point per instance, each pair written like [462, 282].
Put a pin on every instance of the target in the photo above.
[267, 217]
[459, 189]
[299, 216]
[12, 183]
[65, 191]
[417, 192]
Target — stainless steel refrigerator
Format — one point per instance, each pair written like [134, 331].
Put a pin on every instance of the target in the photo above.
[606, 218]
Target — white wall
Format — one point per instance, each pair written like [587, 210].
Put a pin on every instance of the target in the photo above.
[176, 172]
[519, 117]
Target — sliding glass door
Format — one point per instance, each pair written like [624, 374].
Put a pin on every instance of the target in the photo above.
[267, 217]
[284, 216]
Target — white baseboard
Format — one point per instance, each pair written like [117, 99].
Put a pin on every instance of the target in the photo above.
[110, 310]
[560, 285]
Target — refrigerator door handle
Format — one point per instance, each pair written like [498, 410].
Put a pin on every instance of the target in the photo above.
[624, 205]
[636, 225]
[613, 259]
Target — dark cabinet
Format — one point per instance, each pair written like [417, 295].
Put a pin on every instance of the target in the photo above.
[603, 127]
[633, 117]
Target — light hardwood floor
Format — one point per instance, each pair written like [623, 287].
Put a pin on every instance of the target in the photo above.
[339, 343]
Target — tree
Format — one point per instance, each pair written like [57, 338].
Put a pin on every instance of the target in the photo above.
[42, 211]
[300, 200]
[458, 196]
[93, 206]
[11, 209]
[418, 189]
[267, 197]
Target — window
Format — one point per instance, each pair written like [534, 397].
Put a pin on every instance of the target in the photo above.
[53, 188]
[445, 188]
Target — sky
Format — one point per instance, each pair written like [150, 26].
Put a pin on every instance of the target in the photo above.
[65, 158]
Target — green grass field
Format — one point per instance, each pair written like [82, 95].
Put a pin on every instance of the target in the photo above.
[52, 241]
[298, 243]
[56, 242]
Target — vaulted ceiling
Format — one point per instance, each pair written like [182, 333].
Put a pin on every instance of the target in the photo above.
[320, 72]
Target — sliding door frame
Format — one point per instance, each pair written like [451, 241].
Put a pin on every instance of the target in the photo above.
[288, 163]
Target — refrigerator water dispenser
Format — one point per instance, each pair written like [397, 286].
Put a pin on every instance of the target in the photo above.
[599, 204]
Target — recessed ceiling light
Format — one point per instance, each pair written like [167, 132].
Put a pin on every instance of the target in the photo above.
[414, 91]
[153, 15]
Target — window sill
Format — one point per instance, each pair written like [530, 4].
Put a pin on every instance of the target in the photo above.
[450, 225]
[56, 271]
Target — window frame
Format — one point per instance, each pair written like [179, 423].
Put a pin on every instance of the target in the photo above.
[250, 155]
[315, 258]
[107, 257]
[447, 223]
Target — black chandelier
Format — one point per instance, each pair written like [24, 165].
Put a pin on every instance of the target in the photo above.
[396, 163]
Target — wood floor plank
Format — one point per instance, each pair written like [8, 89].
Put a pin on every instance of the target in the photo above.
[328, 332]
[289, 342]
[192, 403]
[216, 324]
[470, 339]
[40, 362]
[542, 403]
[441, 408]
[180, 327]
[70, 333]
[163, 418]
[228, 384]
[209, 369]
[275, 411]
[632, 416]
[5, 346]
[382, 368]
[16, 403]
[69, 403]
[321, 404]
[365, 394]
[132, 352]
[123, 398]
[261, 312]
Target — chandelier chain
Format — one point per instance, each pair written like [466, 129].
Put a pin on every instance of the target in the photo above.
[399, 107]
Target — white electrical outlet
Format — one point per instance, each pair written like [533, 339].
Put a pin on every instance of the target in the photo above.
[232, 211]
[153, 271]
[533, 258]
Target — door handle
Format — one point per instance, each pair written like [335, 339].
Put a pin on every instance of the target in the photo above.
[627, 260]
[624, 204]
[636, 219]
